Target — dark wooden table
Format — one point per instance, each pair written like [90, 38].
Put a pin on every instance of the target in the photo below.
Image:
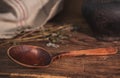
[74, 67]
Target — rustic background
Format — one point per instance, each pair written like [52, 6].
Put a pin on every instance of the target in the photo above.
[72, 67]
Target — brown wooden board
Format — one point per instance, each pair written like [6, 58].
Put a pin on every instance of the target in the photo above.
[73, 67]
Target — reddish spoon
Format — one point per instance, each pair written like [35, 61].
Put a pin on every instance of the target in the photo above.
[37, 57]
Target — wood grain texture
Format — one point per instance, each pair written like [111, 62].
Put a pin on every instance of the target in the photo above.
[75, 67]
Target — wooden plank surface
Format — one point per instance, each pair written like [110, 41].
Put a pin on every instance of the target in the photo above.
[73, 67]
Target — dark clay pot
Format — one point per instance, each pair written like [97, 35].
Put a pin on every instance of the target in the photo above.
[103, 17]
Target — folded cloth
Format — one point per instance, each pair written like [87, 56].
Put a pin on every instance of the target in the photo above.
[16, 15]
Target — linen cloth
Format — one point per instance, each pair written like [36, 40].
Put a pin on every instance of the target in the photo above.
[16, 15]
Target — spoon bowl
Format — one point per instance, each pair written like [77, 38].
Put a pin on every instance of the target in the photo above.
[29, 56]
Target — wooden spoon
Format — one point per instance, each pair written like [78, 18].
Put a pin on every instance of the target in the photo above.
[37, 57]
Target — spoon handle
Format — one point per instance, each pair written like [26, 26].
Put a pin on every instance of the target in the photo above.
[89, 52]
